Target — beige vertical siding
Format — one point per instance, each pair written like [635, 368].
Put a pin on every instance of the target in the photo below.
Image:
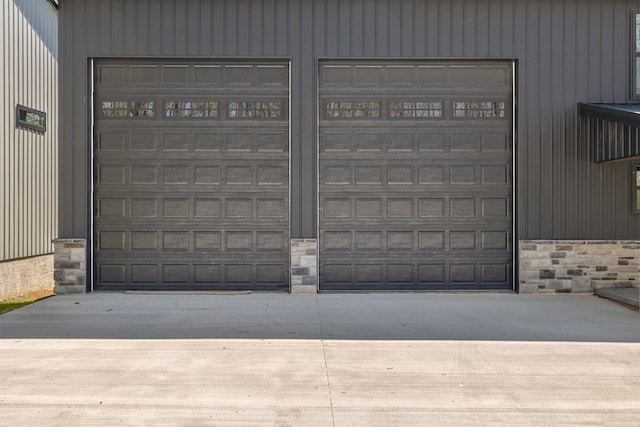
[28, 159]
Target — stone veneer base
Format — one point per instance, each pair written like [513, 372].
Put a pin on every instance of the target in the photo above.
[545, 265]
[70, 266]
[578, 265]
[26, 279]
[304, 266]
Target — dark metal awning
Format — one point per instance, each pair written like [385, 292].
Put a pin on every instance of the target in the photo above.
[626, 114]
[613, 129]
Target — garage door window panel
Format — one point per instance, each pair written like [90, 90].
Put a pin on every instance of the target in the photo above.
[122, 109]
[191, 109]
[256, 109]
[352, 109]
[416, 109]
[479, 109]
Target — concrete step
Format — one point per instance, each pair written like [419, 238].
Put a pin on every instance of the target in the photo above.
[627, 296]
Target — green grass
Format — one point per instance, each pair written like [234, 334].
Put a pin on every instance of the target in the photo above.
[6, 307]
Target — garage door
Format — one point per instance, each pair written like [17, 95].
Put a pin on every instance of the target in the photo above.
[191, 175]
[415, 175]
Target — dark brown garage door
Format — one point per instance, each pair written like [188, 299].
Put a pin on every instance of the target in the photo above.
[415, 175]
[191, 175]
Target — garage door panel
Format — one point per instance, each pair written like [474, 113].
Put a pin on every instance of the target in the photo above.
[151, 237]
[403, 275]
[415, 176]
[178, 274]
[498, 273]
[449, 237]
[271, 206]
[191, 175]
[238, 273]
[400, 177]
[112, 141]
[185, 172]
[358, 207]
[475, 76]
[112, 75]
[123, 73]
[340, 145]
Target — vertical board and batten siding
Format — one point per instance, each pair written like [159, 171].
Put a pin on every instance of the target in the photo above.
[567, 51]
[28, 159]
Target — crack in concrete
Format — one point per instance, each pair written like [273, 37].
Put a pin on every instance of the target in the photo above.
[326, 366]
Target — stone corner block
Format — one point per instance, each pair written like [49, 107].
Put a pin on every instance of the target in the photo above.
[70, 288]
[70, 266]
[304, 266]
[304, 289]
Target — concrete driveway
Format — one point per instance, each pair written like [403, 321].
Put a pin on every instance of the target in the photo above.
[331, 359]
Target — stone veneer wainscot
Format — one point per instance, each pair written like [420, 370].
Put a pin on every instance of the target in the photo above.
[26, 278]
[578, 265]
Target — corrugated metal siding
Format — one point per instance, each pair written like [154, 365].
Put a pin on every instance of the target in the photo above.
[568, 51]
[28, 159]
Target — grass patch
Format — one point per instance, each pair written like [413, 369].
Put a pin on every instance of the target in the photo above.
[6, 307]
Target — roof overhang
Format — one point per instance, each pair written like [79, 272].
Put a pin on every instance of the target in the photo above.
[613, 130]
[626, 114]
